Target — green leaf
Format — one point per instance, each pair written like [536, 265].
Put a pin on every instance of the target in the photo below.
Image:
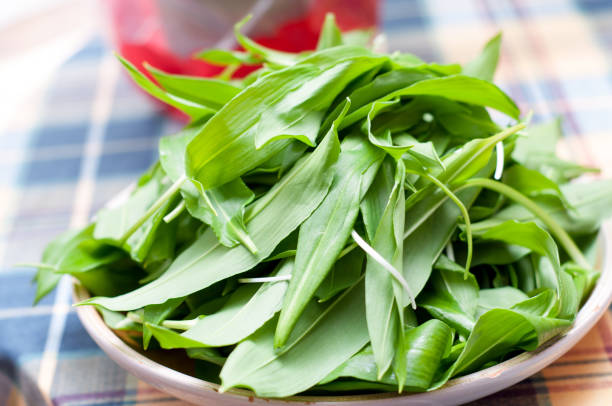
[499, 298]
[324, 234]
[247, 309]
[385, 321]
[450, 297]
[496, 253]
[530, 235]
[224, 57]
[271, 56]
[382, 85]
[163, 248]
[71, 252]
[206, 261]
[290, 104]
[118, 321]
[532, 183]
[537, 151]
[110, 280]
[330, 35]
[591, 202]
[384, 141]
[584, 280]
[155, 314]
[221, 207]
[46, 280]
[191, 108]
[113, 223]
[426, 346]
[207, 354]
[344, 273]
[456, 87]
[430, 217]
[485, 64]
[322, 340]
[169, 339]
[212, 93]
[500, 331]
[375, 200]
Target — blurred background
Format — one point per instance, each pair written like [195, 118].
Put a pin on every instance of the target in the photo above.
[74, 131]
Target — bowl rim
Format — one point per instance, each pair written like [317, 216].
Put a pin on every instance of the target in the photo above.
[462, 389]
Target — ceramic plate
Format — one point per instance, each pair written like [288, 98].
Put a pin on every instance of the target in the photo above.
[459, 390]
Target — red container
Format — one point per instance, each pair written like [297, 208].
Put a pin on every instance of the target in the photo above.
[165, 33]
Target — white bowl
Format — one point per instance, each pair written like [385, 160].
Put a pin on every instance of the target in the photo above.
[458, 390]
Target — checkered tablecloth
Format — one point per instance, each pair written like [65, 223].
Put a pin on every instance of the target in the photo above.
[90, 133]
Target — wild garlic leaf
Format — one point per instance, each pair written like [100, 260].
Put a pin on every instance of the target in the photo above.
[499, 298]
[206, 261]
[532, 183]
[324, 338]
[426, 346]
[325, 233]
[429, 217]
[111, 280]
[531, 236]
[221, 207]
[330, 35]
[163, 248]
[291, 104]
[485, 64]
[118, 321]
[112, 223]
[496, 253]
[455, 87]
[155, 314]
[345, 272]
[72, 251]
[376, 198]
[383, 299]
[384, 140]
[212, 93]
[225, 57]
[591, 202]
[211, 355]
[46, 280]
[169, 339]
[499, 331]
[537, 151]
[451, 298]
[268, 55]
[247, 309]
[384, 84]
[191, 108]
[584, 279]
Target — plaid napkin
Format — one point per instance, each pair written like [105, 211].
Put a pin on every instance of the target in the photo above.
[90, 133]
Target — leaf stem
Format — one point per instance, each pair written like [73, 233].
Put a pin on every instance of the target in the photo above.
[179, 324]
[499, 165]
[558, 232]
[175, 212]
[264, 279]
[168, 194]
[171, 324]
[464, 214]
[347, 249]
[385, 264]
[246, 241]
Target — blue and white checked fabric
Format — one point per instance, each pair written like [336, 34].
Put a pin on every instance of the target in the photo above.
[91, 133]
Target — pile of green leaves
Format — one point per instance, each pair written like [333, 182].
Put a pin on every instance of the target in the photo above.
[342, 220]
